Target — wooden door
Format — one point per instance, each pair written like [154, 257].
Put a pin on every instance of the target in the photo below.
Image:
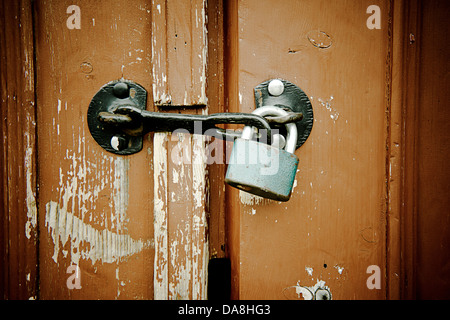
[334, 226]
[354, 211]
[132, 227]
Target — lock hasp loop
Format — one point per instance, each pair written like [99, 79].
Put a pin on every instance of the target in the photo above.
[286, 95]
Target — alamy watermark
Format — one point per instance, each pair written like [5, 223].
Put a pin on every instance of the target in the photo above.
[374, 280]
[74, 280]
[74, 20]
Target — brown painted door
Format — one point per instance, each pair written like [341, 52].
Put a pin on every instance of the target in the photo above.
[368, 217]
[334, 226]
[116, 227]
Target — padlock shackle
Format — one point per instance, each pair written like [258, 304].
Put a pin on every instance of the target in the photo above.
[291, 128]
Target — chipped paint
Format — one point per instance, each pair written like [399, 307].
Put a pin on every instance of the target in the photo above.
[317, 292]
[203, 98]
[339, 269]
[199, 169]
[250, 199]
[181, 255]
[77, 228]
[87, 242]
[181, 245]
[200, 245]
[160, 274]
[162, 61]
[30, 200]
[120, 192]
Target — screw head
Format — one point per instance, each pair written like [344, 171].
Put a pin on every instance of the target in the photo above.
[118, 143]
[276, 87]
[120, 90]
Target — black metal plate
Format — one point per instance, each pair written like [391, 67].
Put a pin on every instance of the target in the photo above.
[292, 98]
[106, 100]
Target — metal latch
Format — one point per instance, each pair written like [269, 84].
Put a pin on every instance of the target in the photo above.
[118, 121]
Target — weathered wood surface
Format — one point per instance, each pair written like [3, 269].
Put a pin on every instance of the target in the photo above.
[18, 214]
[96, 208]
[334, 226]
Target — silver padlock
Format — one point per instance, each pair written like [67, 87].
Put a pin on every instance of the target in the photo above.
[261, 169]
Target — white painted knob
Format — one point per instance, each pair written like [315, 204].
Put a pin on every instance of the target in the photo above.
[276, 87]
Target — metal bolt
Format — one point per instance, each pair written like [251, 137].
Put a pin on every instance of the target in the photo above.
[120, 90]
[278, 141]
[276, 87]
[118, 143]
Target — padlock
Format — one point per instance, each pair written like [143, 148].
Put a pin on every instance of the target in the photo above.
[262, 169]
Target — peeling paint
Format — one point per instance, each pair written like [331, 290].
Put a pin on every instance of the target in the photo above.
[120, 192]
[204, 98]
[317, 292]
[334, 114]
[339, 269]
[199, 169]
[250, 199]
[160, 273]
[181, 255]
[31, 222]
[77, 229]
[86, 242]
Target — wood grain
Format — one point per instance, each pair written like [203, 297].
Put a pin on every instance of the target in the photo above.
[179, 52]
[334, 226]
[95, 208]
[18, 215]
[179, 68]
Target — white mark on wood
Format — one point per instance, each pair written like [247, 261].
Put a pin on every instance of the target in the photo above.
[185, 250]
[250, 199]
[309, 270]
[203, 98]
[199, 169]
[78, 230]
[30, 200]
[87, 242]
[339, 269]
[317, 292]
[334, 114]
[160, 216]
[120, 192]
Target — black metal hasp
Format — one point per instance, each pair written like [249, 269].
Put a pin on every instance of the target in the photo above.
[286, 95]
[117, 119]
[135, 122]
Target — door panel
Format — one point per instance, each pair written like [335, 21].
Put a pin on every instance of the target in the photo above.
[135, 226]
[334, 226]
[96, 208]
